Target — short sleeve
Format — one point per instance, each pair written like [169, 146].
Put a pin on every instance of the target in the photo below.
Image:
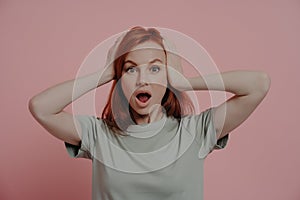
[88, 125]
[206, 134]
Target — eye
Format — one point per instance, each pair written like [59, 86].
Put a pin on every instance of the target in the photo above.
[155, 68]
[131, 69]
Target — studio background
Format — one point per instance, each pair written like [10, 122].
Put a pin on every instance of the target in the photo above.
[44, 42]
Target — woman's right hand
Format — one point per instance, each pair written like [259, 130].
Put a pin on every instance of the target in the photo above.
[111, 56]
[47, 106]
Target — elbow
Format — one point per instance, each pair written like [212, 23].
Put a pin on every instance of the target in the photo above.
[34, 108]
[263, 83]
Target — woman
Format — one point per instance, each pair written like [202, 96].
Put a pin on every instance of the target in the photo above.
[147, 144]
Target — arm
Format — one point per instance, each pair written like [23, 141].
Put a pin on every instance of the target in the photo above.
[249, 87]
[47, 106]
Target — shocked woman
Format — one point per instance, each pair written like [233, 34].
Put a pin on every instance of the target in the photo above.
[148, 144]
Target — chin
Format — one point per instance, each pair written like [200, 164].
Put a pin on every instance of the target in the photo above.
[146, 110]
[141, 111]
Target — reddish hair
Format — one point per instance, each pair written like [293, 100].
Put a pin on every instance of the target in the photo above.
[115, 113]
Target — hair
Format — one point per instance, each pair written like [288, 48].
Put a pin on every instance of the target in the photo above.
[115, 113]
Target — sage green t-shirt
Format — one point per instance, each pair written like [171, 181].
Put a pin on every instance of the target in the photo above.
[160, 160]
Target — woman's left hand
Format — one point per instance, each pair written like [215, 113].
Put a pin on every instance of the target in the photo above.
[174, 68]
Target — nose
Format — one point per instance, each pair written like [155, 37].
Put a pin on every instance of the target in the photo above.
[142, 78]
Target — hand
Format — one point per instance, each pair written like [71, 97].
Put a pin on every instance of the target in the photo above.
[174, 68]
[111, 56]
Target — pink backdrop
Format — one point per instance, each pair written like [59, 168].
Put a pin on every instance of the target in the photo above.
[44, 43]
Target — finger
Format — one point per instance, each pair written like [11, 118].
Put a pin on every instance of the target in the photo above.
[174, 60]
[169, 45]
[117, 43]
[120, 38]
[111, 55]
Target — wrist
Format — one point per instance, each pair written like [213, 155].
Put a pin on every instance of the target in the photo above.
[104, 76]
[178, 81]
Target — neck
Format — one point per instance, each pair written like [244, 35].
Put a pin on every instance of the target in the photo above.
[153, 116]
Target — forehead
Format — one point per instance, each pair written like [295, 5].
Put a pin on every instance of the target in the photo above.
[146, 52]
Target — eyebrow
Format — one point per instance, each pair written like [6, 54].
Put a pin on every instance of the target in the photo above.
[152, 61]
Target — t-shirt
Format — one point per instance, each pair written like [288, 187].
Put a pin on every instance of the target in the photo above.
[155, 161]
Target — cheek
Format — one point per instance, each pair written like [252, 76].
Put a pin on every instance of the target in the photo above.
[127, 87]
[161, 79]
[159, 92]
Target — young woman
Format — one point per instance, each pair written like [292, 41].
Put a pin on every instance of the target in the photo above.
[147, 144]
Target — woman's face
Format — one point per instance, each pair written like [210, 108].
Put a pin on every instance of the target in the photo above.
[144, 77]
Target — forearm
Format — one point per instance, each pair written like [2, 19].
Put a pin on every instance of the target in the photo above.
[239, 82]
[54, 99]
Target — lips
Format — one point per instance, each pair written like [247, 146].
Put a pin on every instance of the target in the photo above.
[142, 97]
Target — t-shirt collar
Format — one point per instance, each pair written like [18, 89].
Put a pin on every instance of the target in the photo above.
[147, 130]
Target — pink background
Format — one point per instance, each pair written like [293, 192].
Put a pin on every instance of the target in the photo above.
[44, 43]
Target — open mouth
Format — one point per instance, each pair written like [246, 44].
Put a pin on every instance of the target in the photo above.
[143, 97]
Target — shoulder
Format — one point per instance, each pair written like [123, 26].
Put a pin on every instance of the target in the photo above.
[88, 119]
[91, 123]
[201, 118]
